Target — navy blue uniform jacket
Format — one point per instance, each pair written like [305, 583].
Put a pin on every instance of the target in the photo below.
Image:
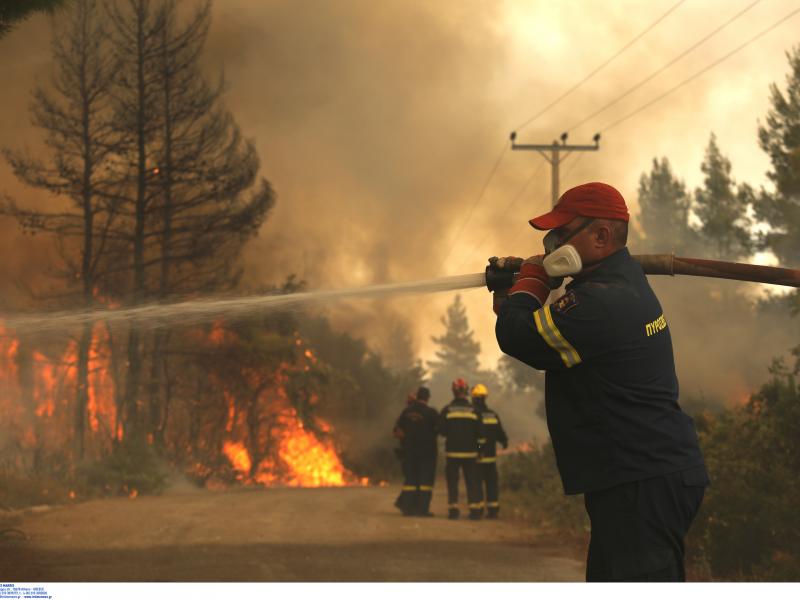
[420, 425]
[460, 424]
[611, 392]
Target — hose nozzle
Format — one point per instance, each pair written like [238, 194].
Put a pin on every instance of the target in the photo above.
[500, 273]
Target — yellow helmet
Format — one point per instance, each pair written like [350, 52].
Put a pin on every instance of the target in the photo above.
[480, 390]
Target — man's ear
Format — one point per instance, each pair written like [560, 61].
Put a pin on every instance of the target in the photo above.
[603, 236]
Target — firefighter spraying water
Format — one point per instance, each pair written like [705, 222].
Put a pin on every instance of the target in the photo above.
[611, 393]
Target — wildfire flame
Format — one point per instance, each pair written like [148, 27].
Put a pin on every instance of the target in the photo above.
[37, 392]
[302, 455]
[312, 463]
[239, 457]
[38, 395]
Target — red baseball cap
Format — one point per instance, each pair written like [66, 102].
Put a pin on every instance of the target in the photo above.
[594, 199]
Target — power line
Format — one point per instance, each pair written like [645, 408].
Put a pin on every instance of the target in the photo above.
[566, 174]
[703, 70]
[508, 207]
[564, 95]
[557, 154]
[665, 67]
[601, 67]
[474, 205]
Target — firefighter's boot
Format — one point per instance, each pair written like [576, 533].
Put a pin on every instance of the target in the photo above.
[453, 513]
[475, 514]
[493, 512]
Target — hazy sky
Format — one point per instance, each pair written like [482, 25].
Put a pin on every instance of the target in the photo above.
[378, 124]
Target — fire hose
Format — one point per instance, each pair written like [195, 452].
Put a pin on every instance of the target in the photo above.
[669, 264]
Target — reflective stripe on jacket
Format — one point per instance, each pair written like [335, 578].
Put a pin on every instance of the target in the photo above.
[460, 425]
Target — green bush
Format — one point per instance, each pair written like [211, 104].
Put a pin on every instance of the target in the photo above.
[532, 490]
[129, 469]
[748, 527]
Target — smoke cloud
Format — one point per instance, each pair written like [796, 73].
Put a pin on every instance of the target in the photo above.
[378, 125]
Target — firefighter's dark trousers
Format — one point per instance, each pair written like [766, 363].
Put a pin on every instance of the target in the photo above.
[418, 475]
[471, 479]
[487, 467]
[638, 527]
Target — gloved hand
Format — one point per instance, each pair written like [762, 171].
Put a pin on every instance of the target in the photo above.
[502, 263]
[553, 282]
[498, 298]
[532, 279]
[505, 263]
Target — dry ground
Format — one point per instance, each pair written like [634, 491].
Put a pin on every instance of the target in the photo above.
[344, 534]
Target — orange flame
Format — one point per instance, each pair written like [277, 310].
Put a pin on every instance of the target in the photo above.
[38, 403]
[239, 457]
[311, 462]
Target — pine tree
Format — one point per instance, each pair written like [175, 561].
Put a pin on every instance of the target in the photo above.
[458, 350]
[664, 206]
[13, 12]
[458, 356]
[722, 207]
[780, 139]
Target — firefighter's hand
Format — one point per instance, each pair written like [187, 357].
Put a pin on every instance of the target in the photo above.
[505, 263]
[532, 280]
[553, 282]
[498, 297]
[505, 445]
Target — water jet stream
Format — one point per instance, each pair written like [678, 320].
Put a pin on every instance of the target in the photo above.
[190, 312]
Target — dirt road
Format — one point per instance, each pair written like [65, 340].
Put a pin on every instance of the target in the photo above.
[344, 534]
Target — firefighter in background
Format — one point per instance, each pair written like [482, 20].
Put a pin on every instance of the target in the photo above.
[411, 397]
[460, 425]
[417, 428]
[492, 434]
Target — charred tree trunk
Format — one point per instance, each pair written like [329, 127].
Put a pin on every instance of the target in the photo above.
[137, 32]
[87, 275]
[82, 390]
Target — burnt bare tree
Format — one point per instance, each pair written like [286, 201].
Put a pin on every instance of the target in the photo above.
[75, 118]
[193, 196]
[208, 203]
[136, 30]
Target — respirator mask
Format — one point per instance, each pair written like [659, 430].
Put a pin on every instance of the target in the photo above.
[562, 259]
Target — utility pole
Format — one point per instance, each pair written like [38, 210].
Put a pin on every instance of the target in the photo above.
[558, 152]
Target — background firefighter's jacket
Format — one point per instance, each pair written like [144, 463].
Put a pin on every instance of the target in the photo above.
[416, 428]
[460, 425]
[492, 433]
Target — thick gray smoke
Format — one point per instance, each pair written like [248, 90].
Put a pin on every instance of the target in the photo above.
[378, 124]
